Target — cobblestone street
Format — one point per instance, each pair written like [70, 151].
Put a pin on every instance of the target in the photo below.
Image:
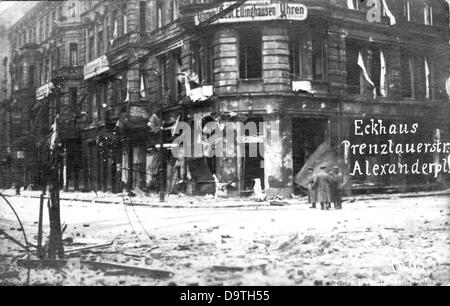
[401, 241]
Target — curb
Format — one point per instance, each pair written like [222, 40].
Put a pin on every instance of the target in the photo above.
[244, 205]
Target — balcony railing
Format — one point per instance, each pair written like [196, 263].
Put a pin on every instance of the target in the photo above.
[132, 37]
[69, 72]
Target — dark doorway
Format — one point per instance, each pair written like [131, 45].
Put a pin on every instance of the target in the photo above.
[253, 166]
[307, 135]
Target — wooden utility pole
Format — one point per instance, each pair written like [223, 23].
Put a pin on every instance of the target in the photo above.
[56, 248]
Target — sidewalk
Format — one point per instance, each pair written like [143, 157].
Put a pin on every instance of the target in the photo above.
[208, 201]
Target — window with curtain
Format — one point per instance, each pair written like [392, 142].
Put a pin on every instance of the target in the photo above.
[73, 54]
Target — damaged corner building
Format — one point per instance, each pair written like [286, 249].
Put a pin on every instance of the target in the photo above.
[117, 76]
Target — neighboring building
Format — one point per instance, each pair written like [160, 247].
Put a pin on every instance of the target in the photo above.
[107, 66]
[7, 18]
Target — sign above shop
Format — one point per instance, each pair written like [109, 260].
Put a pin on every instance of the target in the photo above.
[96, 67]
[44, 91]
[256, 11]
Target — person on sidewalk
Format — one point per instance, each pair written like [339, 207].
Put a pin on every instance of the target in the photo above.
[337, 182]
[312, 191]
[322, 183]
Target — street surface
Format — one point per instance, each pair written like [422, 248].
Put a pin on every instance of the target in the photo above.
[400, 241]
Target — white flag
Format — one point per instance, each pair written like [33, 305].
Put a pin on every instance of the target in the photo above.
[447, 87]
[383, 74]
[391, 16]
[114, 32]
[142, 91]
[127, 99]
[427, 79]
[350, 4]
[365, 73]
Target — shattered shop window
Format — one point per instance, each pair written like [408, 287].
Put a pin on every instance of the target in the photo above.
[250, 54]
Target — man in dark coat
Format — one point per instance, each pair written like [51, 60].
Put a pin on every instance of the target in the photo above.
[322, 183]
[312, 192]
[337, 187]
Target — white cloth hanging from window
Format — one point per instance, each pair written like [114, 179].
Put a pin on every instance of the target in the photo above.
[366, 74]
[427, 80]
[114, 32]
[388, 12]
[383, 73]
[350, 5]
[127, 99]
[447, 87]
[142, 89]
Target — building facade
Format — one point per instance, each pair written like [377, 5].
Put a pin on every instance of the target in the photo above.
[110, 71]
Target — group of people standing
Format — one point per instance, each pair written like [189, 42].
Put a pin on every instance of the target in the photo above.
[325, 188]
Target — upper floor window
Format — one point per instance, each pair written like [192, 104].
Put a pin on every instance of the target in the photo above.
[114, 25]
[428, 14]
[173, 10]
[299, 59]
[73, 54]
[407, 10]
[415, 75]
[250, 54]
[125, 18]
[72, 9]
[91, 48]
[100, 43]
[41, 30]
[318, 58]
[159, 14]
[142, 15]
[48, 73]
[41, 74]
[31, 75]
[203, 60]
[366, 69]
[47, 27]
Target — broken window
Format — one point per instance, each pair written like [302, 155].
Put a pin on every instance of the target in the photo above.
[416, 76]
[250, 54]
